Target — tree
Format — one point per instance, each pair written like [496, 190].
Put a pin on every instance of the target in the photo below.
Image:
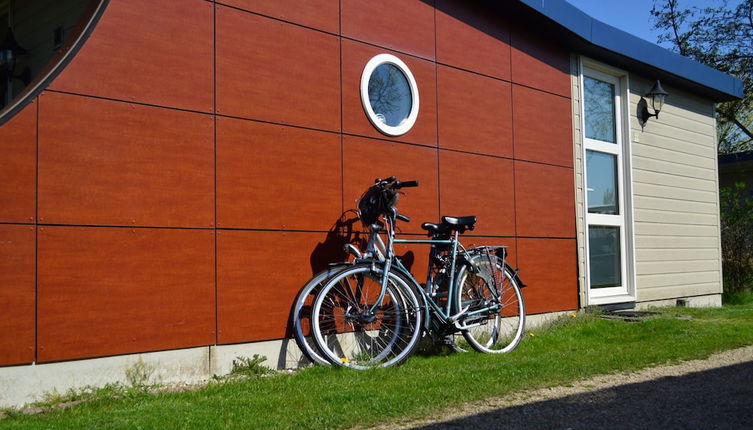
[720, 37]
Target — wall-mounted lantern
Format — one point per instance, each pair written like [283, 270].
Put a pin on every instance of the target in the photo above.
[657, 96]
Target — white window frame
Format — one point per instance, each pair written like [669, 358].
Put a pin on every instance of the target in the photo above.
[621, 149]
[406, 125]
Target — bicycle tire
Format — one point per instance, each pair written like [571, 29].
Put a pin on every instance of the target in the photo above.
[301, 315]
[348, 335]
[499, 331]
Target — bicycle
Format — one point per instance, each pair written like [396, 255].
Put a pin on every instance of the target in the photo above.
[371, 312]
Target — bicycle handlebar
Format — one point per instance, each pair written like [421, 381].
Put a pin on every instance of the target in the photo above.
[406, 184]
[402, 217]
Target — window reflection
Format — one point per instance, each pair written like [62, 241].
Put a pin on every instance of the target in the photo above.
[390, 94]
[604, 256]
[35, 33]
[599, 110]
[601, 171]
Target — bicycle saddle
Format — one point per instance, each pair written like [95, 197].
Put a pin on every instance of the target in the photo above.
[460, 221]
[450, 223]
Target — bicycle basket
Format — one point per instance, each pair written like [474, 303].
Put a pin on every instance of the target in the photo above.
[376, 201]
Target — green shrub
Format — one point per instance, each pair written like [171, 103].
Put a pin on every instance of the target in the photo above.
[737, 239]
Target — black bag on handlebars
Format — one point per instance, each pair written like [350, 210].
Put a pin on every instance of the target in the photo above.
[376, 201]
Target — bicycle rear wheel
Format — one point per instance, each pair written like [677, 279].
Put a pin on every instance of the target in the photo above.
[495, 314]
[349, 333]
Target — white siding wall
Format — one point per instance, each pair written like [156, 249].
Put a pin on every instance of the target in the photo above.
[675, 197]
[579, 198]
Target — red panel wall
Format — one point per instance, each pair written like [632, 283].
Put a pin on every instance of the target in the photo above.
[272, 71]
[139, 165]
[155, 52]
[17, 290]
[18, 168]
[232, 135]
[105, 291]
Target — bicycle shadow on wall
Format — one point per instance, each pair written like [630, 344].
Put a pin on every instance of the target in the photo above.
[346, 230]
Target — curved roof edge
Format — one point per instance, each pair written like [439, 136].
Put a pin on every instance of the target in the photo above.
[601, 35]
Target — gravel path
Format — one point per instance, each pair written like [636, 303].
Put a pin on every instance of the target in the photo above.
[716, 393]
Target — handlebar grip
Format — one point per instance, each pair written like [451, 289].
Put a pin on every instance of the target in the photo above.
[406, 184]
[402, 217]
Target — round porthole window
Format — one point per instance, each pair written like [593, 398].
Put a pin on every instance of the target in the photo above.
[389, 95]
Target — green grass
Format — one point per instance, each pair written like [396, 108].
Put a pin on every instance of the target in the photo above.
[322, 397]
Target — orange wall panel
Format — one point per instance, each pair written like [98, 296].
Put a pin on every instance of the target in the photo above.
[18, 169]
[17, 294]
[320, 14]
[475, 113]
[277, 177]
[538, 63]
[259, 274]
[111, 163]
[549, 268]
[355, 120]
[402, 25]
[367, 159]
[542, 125]
[107, 291]
[544, 200]
[472, 37]
[478, 185]
[156, 52]
[278, 72]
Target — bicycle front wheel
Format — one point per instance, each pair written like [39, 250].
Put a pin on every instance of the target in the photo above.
[301, 315]
[495, 311]
[353, 328]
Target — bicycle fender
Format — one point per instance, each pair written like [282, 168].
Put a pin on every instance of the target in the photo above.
[515, 276]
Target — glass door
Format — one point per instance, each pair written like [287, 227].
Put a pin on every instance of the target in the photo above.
[604, 183]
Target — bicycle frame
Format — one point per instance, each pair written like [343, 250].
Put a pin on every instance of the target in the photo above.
[440, 315]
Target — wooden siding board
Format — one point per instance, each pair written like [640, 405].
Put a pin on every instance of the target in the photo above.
[108, 291]
[675, 242]
[673, 229]
[683, 290]
[677, 218]
[685, 194]
[679, 206]
[676, 182]
[155, 52]
[667, 166]
[17, 294]
[18, 145]
[679, 280]
[684, 266]
[649, 150]
[110, 163]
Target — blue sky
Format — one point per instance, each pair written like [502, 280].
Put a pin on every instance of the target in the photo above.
[633, 16]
